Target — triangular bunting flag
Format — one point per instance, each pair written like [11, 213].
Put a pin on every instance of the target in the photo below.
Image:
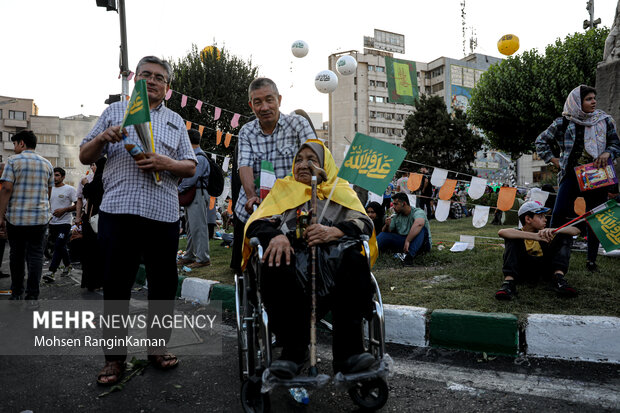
[225, 164]
[447, 189]
[168, 94]
[199, 106]
[477, 187]
[217, 113]
[414, 181]
[235, 120]
[442, 210]
[481, 216]
[506, 198]
[201, 129]
[183, 101]
[439, 177]
[218, 137]
[212, 202]
[188, 125]
[227, 139]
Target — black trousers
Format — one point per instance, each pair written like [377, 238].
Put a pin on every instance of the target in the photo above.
[237, 248]
[126, 240]
[289, 308]
[26, 242]
[526, 268]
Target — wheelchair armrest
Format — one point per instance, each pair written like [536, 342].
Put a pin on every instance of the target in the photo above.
[254, 242]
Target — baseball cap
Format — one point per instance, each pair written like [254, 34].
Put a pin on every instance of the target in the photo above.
[532, 206]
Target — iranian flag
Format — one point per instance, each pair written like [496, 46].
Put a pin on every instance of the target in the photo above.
[267, 178]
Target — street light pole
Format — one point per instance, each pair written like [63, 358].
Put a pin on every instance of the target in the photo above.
[124, 63]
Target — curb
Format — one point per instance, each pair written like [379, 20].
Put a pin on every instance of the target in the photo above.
[567, 337]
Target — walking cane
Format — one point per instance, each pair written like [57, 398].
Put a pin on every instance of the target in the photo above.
[313, 372]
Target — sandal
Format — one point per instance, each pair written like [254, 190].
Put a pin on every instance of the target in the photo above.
[164, 361]
[112, 372]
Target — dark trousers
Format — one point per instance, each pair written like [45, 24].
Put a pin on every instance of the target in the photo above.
[289, 307]
[525, 268]
[125, 239]
[60, 234]
[92, 262]
[564, 209]
[2, 247]
[425, 204]
[26, 242]
[237, 248]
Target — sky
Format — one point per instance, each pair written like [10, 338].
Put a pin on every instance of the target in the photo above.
[65, 54]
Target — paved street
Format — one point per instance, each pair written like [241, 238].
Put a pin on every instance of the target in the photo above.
[424, 380]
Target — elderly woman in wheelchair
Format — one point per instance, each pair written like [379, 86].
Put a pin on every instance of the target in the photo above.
[344, 286]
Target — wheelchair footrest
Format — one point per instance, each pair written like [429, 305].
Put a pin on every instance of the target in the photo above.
[271, 382]
[380, 369]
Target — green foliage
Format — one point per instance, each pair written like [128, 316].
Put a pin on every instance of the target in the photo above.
[435, 137]
[519, 98]
[221, 81]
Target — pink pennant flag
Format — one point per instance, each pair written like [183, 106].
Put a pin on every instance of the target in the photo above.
[168, 94]
[199, 106]
[130, 75]
[235, 120]
[183, 101]
[217, 113]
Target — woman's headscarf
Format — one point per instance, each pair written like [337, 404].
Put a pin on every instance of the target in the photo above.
[287, 193]
[595, 136]
[378, 208]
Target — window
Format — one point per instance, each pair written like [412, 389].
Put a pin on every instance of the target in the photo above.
[371, 83]
[69, 163]
[53, 139]
[10, 135]
[371, 98]
[437, 72]
[53, 161]
[388, 115]
[355, 80]
[0, 113]
[69, 140]
[379, 99]
[437, 87]
[371, 68]
[399, 116]
[355, 127]
[354, 95]
[355, 111]
[379, 69]
[17, 115]
[373, 114]
[380, 83]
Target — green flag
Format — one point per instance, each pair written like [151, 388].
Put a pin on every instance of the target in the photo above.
[371, 163]
[402, 80]
[606, 225]
[137, 111]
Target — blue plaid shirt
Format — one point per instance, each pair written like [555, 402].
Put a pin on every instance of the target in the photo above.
[31, 175]
[127, 189]
[566, 143]
[279, 148]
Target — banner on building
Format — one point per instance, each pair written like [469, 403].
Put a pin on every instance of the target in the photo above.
[402, 80]
[371, 163]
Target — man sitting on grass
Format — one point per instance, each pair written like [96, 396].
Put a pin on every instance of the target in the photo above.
[535, 251]
[408, 231]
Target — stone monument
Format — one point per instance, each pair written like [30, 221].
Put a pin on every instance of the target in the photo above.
[608, 72]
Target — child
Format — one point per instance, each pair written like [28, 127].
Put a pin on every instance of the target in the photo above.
[535, 251]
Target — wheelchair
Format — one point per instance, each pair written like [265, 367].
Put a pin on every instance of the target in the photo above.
[368, 390]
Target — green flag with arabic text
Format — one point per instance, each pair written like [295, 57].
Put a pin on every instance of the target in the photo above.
[606, 225]
[371, 163]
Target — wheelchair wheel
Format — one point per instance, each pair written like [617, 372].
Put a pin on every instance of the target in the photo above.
[370, 395]
[252, 400]
[245, 338]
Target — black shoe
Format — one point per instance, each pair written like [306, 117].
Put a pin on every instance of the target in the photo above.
[408, 261]
[284, 369]
[507, 291]
[591, 266]
[355, 364]
[561, 287]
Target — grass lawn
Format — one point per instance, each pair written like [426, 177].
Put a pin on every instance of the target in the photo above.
[468, 280]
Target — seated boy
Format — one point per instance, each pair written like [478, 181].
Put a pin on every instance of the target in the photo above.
[534, 251]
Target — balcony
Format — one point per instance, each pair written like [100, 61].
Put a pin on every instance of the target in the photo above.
[16, 123]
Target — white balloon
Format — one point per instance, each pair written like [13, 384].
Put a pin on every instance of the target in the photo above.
[326, 81]
[346, 65]
[299, 48]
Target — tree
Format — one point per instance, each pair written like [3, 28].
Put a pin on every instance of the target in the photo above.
[435, 137]
[219, 79]
[518, 98]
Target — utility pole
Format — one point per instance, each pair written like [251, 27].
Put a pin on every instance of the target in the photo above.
[591, 23]
[110, 5]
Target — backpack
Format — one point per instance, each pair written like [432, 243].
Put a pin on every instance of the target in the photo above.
[215, 179]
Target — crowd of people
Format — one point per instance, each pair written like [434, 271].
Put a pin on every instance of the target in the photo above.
[124, 218]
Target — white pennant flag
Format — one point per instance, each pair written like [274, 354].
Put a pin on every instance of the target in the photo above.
[481, 216]
[539, 195]
[443, 210]
[439, 177]
[476, 187]
[225, 164]
[372, 197]
[412, 200]
[214, 157]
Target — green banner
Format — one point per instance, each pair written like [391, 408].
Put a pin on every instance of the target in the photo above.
[402, 79]
[606, 226]
[138, 108]
[371, 163]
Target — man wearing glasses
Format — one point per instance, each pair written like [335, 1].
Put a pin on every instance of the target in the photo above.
[138, 218]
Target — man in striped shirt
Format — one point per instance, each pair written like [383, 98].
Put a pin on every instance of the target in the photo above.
[27, 183]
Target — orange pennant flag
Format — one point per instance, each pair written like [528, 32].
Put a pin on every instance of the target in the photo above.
[201, 129]
[580, 206]
[447, 189]
[229, 209]
[227, 139]
[218, 139]
[506, 198]
[212, 202]
[188, 125]
[414, 181]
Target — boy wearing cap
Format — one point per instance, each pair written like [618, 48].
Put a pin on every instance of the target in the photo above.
[535, 251]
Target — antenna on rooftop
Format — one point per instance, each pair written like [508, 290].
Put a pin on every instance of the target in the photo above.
[463, 23]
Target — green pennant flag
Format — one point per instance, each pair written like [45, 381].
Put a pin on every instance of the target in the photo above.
[137, 111]
[606, 225]
[371, 163]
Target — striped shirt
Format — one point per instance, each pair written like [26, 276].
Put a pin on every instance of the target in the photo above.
[31, 175]
[280, 148]
[127, 189]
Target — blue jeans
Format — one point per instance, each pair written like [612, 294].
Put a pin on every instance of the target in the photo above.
[60, 234]
[393, 241]
[26, 242]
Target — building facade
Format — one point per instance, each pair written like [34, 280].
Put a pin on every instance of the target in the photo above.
[58, 139]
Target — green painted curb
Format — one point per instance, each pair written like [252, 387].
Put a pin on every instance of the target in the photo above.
[224, 293]
[493, 333]
[141, 275]
[180, 284]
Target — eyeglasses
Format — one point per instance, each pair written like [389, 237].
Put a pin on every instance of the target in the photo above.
[156, 76]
